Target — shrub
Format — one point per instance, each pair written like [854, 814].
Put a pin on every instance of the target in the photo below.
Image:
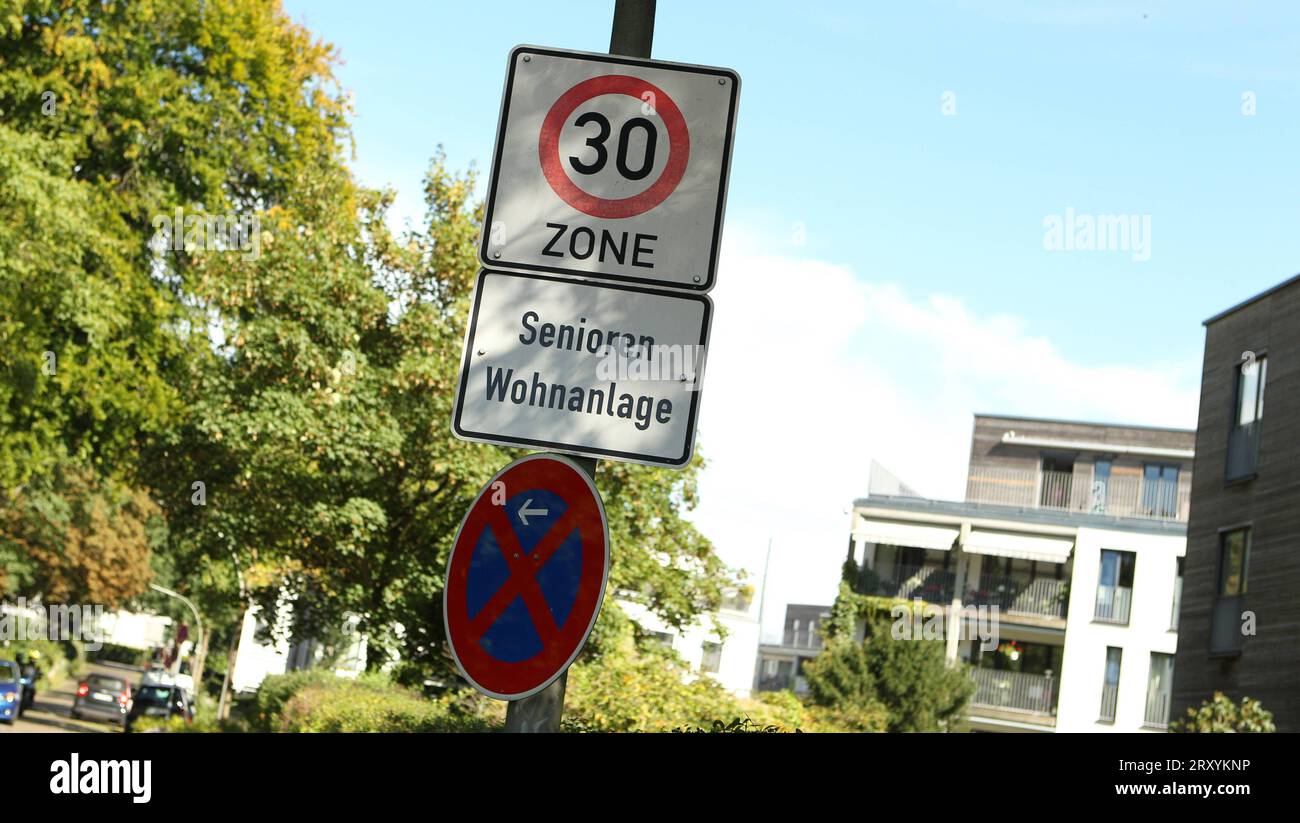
[908, 680]
[642, 690]
[372, 704]
[1219, 714]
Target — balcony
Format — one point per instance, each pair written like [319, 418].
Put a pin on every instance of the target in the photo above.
[1118, 496]
[1113, 604]
[1014, 691]
[905, 582]
[1021, 594]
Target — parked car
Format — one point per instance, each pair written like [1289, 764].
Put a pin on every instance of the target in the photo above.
[11, 691]
[159, 701]
[159, 676]
[103, 696]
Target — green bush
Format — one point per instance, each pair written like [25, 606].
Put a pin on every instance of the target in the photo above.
[642, 690]
[316, 700]
[1219, 715]
[263, 714]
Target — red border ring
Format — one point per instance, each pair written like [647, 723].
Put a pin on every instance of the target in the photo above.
[679, 147]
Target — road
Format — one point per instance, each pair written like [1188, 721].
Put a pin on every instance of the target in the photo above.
[51, 711]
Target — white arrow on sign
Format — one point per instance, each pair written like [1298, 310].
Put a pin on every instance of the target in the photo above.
[525, 512]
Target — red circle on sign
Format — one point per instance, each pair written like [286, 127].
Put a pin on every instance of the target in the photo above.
[679, 147]
[560, 644]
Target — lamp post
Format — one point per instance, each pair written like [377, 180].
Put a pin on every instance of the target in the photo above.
[201, 645]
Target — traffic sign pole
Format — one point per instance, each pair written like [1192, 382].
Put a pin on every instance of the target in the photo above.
[634, 28]
[541, 712]
[632, 34]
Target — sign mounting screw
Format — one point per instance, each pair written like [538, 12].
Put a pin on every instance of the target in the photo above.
[528, 58]
[696, 278]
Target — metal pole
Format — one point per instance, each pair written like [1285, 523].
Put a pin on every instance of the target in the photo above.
[634, 28]
[632, 34]
[198, 621]
[541, 712]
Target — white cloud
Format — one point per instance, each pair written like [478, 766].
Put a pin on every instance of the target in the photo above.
[813, 371]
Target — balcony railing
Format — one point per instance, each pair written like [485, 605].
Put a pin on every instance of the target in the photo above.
[804, 638]
[906, 582]
[1113, 604]
[1157, 711]
[1109, 699]
[1036, 596]
[1117, 496]
[1014, 691]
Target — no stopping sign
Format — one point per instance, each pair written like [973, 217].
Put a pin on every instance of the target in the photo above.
[611, 167]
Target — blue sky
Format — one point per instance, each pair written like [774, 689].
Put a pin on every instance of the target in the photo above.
[908, 241]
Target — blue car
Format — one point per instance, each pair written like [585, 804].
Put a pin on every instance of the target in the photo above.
[11, 691]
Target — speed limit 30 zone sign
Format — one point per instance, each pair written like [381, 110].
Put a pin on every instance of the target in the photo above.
[611, 168]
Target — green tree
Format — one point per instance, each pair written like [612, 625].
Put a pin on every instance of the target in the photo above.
[1220, 714]
[910, 679]
[76, 539]
[288, 409]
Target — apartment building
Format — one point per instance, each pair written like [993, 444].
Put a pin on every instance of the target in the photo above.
[727, 657]
[1076, 533]
[1240, 623]
[780, 665]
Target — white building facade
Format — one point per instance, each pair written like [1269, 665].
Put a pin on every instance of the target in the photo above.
[1058, 578]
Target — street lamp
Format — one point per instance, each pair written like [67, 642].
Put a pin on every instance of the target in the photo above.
[197, 670]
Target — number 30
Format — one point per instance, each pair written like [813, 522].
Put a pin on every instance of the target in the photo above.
[620, 158]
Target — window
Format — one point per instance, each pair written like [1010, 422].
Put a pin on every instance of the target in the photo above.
[1160, 490]
[1057, 474]
[1234, 569]
[1251, 376]
[1100, 484]
[1233, 554]
[1178, 594]
[712, 658]
[1115, 586]
[1160, 681]
[1110, 683]
[1243, 439]
[664, 639]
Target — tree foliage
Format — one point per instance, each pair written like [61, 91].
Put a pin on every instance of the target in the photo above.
[287, 410]
[1220, 714]
[74, 538]
[910, 680]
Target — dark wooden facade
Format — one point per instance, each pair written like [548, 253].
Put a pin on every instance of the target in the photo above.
[1266, 666]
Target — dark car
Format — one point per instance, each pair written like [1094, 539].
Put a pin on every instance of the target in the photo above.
[162, 702]
[11, 691]
[104, 697]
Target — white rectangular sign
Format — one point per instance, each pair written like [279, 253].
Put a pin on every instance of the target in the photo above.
[607, 371]
[611, 167]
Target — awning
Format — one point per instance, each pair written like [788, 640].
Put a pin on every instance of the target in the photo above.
[1018, 546]
[895, 533]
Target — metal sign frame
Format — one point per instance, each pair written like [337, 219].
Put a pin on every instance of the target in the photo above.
[709, 271]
